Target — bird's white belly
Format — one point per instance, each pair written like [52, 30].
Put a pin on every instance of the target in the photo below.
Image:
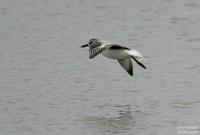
[115, 54]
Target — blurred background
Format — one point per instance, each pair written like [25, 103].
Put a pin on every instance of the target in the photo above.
[48, 85]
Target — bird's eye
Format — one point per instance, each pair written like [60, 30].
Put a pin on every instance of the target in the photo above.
[90, 42]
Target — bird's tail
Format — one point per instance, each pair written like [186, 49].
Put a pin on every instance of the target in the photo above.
[135, 54]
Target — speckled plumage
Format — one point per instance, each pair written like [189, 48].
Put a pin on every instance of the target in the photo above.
[114, 51]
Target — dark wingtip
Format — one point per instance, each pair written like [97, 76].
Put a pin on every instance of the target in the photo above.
[130, 72]
[142, 65]
[139, 63]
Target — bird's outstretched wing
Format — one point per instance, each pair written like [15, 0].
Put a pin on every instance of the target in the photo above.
[127, 65]
[115, 46]
[95, 51]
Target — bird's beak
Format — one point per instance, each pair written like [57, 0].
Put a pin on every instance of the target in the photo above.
[86, 45]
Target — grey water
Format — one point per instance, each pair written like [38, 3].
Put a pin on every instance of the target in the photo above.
[48, 85]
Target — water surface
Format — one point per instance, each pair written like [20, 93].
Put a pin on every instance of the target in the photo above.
[48, 85]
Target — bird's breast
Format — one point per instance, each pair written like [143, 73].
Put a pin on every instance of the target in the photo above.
[115, 53]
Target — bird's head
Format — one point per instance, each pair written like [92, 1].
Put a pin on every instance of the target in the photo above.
[92, 42]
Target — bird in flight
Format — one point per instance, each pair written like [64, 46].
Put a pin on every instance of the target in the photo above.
[115, 51]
